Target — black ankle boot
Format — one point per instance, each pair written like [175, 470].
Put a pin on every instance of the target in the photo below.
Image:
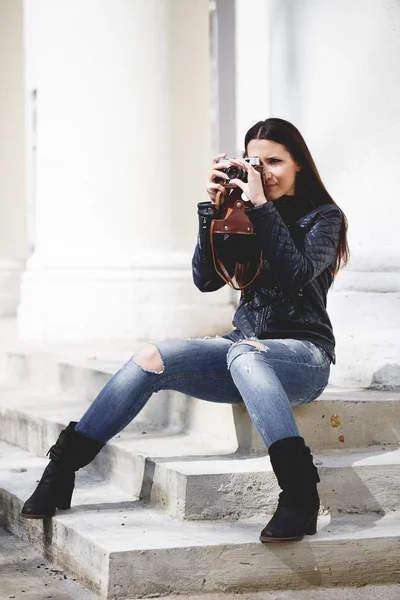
[71, 452]
[297, 512]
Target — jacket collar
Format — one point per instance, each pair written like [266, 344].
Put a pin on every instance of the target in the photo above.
[319, 211]
[293, 208]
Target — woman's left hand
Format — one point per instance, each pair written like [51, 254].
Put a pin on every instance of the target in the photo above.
[253, 189]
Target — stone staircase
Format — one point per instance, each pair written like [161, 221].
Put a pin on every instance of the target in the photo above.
[176, 502]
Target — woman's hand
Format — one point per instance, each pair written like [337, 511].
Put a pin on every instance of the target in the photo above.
[212, 187]
[253, 189]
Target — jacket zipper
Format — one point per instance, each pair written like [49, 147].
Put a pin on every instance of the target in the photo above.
[204, 243]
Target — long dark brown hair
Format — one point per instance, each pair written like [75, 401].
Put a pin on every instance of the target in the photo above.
[308, 180]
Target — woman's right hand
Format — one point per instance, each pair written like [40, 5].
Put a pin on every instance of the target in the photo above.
[212, 187]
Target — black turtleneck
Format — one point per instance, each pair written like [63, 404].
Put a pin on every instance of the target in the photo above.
[292, 208]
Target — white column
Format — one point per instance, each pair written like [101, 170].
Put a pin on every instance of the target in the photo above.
[252, 65]
[123, 150]
[13, 242]
[334, 73]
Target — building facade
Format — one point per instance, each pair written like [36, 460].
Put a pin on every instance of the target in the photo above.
[110, 113]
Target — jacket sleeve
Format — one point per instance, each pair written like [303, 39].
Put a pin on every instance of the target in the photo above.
[291, 267]
[205, 277]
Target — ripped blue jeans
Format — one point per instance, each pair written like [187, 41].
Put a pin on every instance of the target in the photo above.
[269, 377]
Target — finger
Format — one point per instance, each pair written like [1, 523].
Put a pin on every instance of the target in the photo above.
[216, 186]
[239, 183]
[216, 158]
[252, 170]
[216, 173]
[222, 165]
[240, 163]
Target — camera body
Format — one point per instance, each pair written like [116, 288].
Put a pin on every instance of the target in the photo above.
[235, 172]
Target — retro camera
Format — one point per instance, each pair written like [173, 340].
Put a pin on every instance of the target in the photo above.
[234, 172]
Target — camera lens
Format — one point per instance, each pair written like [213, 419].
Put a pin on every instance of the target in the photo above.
[233, 172]
[236, 173]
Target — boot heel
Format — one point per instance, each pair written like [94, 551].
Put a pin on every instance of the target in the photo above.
[64, 495]
[312, 526]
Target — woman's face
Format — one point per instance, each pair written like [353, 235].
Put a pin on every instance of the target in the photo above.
[280, 170]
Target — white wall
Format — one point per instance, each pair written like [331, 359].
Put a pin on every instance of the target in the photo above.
[335, 75]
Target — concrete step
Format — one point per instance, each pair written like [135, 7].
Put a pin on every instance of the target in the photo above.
[363, 481]
[82, 378]
[193, 477]
[24, 573]
[81, 375]
[138, 551]
[90, 486]
[339, 419]
[33, 421]
[364, 592]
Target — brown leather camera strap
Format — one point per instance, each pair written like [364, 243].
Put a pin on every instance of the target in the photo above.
[225, 275]
[218, 201]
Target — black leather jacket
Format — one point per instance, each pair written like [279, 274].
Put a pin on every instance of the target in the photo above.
[288, 299]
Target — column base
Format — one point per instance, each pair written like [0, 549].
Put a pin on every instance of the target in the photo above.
[10, 279]
[363, 307]
[119, 303]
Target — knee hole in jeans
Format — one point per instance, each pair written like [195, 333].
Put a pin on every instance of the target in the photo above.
[149, 359]
[235, 350]
[258, 345]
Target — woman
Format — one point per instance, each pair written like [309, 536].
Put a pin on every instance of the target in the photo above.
[277, 356]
